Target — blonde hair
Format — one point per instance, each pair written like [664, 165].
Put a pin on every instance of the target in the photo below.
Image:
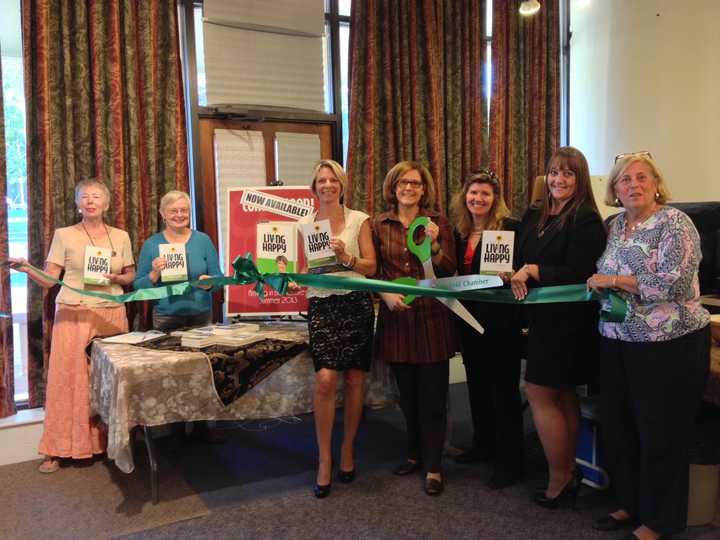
[498, 211]
[172, 196]
[393, 177]
[621, 165]
[337, 170]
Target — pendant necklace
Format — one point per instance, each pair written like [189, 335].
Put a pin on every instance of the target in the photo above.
[112, 247]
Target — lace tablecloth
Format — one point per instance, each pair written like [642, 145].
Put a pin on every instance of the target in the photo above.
[133, 386]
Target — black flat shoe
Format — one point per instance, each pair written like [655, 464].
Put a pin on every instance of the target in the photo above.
[609, 523]
[346, 476]
[434, 487]
[406, 468]
[322, 491]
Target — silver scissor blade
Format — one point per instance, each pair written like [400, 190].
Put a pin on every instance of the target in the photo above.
[461, 311]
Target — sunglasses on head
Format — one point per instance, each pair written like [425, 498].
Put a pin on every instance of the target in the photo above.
[482, 172]
[642, 153]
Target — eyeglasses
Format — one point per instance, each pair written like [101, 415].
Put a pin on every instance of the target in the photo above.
[414, 184]
[642, 153]
[178, 211]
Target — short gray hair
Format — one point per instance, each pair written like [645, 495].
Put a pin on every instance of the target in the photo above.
[172, 196]
[89, 182]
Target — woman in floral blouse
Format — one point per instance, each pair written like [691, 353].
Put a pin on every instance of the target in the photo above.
[654, 364]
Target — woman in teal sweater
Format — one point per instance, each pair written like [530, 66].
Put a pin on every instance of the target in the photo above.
[195, 307]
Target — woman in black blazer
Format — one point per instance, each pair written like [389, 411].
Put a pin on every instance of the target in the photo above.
[492, 360]
[560, 239]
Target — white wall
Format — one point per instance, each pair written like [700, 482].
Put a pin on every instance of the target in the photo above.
[645, 75]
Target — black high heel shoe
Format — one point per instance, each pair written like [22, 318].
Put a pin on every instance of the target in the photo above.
[568, 496]
[346, 476]
[323, 490]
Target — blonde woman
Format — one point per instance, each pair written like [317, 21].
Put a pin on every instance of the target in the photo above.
[340, 324]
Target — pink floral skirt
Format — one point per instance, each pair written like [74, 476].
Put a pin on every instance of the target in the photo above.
[69, 431]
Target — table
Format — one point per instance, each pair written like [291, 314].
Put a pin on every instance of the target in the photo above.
[132, 386]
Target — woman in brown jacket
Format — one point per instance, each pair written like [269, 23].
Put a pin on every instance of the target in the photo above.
[416, 339]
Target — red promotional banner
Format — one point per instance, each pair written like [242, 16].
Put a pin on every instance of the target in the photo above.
[261, 221]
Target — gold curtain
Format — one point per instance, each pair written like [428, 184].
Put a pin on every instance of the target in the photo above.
[416, 93]
[525, 99]
[104, 99]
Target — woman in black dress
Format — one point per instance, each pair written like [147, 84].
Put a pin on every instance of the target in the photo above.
[340, 323]
[492, 359]
[559, 241]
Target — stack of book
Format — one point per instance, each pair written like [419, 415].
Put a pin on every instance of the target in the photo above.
[228, 335]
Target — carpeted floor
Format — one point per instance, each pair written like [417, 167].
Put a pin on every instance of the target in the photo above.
[258, 485]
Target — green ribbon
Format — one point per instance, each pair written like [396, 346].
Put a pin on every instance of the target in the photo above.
[246, 273]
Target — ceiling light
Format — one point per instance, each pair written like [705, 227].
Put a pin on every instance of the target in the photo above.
[529, 7]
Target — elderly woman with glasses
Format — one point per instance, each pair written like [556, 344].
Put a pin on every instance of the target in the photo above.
[653, 364]
[416, 339]
[195, 307]
[492, 360]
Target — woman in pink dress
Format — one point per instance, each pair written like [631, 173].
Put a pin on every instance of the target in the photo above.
[68, 431]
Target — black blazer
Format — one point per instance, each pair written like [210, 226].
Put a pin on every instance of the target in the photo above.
[491, 316]
[565, 255]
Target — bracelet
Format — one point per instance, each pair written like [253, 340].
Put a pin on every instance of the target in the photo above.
[350, 262]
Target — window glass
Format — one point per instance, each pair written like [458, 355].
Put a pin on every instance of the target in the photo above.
[16, 201]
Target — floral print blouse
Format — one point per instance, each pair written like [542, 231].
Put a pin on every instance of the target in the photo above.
[664, 255]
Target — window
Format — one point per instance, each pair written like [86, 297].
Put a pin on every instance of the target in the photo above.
[15, 145]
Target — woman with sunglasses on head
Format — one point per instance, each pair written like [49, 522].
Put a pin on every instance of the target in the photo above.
[655, 363]
[560, 239]
[340, 323]
[195, 307]
[416, 339]
[492, 359]
[68, 430]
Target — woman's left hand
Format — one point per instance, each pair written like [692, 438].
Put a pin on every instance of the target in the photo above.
[518, 283]
[114, 278]
[432, 230]
[599, 282]
[338, 246]
[205, 287]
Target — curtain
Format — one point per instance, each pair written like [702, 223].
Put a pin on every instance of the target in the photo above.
[525, 99]
[415, 93]
[7, 385]
[104, 99]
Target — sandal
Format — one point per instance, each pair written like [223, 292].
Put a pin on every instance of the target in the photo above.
[49, 465]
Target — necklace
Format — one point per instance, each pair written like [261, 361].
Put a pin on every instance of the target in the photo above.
[633, 226]
[112, 247]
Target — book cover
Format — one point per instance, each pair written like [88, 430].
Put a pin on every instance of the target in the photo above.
[176, 262]
[497, 251]
[97, 264]
[316, 239]
[276, 247]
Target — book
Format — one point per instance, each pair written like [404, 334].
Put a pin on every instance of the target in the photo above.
[275, 250]
[497, 251]
[97, 264]
[316, 240]
[133, 337]
[176, 262]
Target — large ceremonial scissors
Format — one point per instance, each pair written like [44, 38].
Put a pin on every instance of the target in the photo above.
[423, 251]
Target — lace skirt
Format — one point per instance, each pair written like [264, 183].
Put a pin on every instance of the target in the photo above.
[341, 331]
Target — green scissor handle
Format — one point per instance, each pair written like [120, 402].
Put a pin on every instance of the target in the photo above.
[406, 281]
[423, 250]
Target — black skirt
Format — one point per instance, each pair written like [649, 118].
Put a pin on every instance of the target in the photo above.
[341, 331]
